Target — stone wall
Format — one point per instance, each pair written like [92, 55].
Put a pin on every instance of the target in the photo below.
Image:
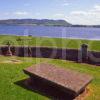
[55, 53]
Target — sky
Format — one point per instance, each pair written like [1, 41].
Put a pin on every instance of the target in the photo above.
[74, 11]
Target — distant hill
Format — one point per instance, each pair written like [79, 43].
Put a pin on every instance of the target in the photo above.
[45, 22]
[42, 22]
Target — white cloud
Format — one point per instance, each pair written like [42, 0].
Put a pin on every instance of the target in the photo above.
[91, 16]
[20, 13]
[58, 15]
[16, 14]
[78, 13]
[94, 11]
[65, 4]
[97, 7]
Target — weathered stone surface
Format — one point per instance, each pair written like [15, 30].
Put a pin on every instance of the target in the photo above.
[69, 81]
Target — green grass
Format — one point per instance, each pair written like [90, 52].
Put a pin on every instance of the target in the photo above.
[11, 73]
[49, 42]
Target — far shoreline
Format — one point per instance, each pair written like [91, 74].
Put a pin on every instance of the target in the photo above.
[51, 37]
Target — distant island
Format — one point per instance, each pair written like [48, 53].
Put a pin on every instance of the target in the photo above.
[35, 22]
[42, 22]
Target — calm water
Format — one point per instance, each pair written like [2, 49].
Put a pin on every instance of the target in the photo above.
[48, 31]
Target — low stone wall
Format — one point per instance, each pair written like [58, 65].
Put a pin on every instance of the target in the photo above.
[43, 52]
[55, 53]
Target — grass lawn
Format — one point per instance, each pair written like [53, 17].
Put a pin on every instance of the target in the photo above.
[12, 72]
[49, 42]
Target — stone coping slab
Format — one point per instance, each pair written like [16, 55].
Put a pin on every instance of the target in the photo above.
[70, 81]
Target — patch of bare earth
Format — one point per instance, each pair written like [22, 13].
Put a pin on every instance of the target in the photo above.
[12, 61]
[85, 94]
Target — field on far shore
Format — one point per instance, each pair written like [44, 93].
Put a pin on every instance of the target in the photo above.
[94, 45]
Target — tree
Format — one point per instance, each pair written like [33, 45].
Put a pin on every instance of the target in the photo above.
[8, 43]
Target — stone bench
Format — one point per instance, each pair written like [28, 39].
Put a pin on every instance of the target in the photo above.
[69, 81]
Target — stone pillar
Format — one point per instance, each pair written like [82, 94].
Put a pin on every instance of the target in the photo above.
[84, 52]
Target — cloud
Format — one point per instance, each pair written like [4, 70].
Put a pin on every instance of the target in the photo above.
[97, 7]
[58, 15]
[94, 11]
[21, 13]
[78, 13]
[91, 16]
[65, 4]
[16, 14]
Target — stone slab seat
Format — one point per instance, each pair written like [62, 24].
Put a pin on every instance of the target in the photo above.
[69, 81]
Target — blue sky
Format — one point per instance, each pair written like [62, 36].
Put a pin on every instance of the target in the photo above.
[73, 11]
